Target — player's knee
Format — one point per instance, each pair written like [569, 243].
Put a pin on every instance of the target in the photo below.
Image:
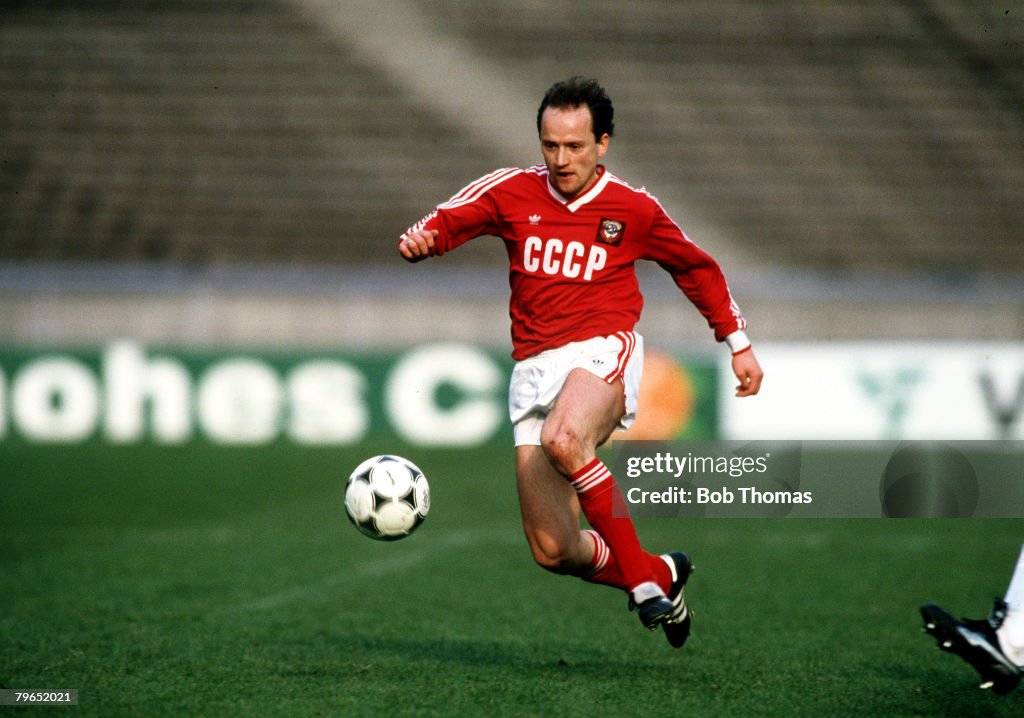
[562, 446]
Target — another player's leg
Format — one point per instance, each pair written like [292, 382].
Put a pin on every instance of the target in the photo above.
[975, 641]
[1011, 633]
[993, 646]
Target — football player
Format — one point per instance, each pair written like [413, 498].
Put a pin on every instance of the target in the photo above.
[573, 231]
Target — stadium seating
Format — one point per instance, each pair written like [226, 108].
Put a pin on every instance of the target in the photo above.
[874, 135]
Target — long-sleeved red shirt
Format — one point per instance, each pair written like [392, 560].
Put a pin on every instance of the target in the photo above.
[571, 263]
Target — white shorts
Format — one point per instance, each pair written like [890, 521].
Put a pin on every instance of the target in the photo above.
[537, 381]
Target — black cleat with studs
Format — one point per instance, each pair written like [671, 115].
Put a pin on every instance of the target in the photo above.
[975, 641]
[677, 628]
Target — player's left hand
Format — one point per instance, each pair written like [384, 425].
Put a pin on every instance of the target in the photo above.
[747, 369]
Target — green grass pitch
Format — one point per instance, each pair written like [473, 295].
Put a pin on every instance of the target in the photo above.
[204, 580]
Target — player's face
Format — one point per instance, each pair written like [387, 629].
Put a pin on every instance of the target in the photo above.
[570, 151]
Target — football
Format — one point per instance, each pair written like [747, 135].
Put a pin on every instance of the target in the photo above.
[387, 497]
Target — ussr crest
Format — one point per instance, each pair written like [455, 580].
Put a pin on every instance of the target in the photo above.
[610, 231]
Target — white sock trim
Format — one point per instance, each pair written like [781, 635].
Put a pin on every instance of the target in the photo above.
[671, 567]
[646, 591]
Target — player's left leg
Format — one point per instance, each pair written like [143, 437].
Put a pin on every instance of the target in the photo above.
[550, 513]
[585, 413]
[551, 521]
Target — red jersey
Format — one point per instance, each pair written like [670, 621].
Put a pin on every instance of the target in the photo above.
[571, 263]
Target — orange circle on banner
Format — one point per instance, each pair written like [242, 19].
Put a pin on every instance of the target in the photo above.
[666, 400]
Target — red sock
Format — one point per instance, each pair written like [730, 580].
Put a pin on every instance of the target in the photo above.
[598, 492]
[604, 570]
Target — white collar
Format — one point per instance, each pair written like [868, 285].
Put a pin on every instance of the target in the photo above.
[584, 198]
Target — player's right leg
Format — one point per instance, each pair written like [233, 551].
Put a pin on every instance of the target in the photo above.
[551, 515]
[550, 512]
[561, 411]
[587, 410]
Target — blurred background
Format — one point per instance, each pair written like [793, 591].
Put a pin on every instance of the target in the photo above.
[205, 326]
[235, 174]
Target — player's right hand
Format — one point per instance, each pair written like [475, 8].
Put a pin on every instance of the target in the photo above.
[418, 244]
